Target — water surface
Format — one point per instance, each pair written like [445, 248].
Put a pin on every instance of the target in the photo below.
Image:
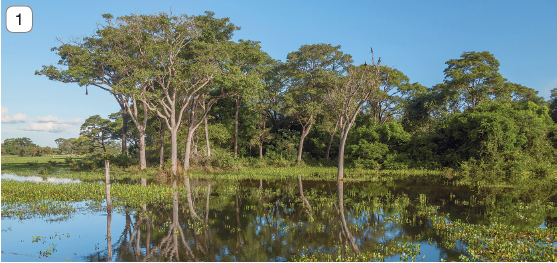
[255, 220]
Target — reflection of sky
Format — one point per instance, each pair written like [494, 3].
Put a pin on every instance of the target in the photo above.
[39, 179]
[86, 228]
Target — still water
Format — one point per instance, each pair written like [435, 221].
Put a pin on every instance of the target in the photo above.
[39, 179]
[220, 220]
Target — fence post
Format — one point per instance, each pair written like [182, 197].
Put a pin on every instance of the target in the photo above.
[107, 182]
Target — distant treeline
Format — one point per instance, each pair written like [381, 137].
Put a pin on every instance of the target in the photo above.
[24, 147]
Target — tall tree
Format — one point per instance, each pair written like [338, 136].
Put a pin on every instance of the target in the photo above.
[474, 77]
[310, 66]
[97, 130]
[244, 65]
[262, 103]
[59, 143]
[102, 60]
[356, 90]
[387, 102]
[89, 62]
[177, 59]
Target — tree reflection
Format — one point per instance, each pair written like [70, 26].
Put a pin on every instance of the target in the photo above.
[109, 234]
[238, 221]
[304, 200]
[168, 246]
[345, 231]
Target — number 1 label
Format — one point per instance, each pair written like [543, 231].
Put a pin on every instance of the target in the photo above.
[19, 19]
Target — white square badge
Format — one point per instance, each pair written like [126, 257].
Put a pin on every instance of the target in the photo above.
[19, 19]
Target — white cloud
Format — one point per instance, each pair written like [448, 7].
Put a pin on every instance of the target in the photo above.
[54, 119]
[51, 123]
[19, 117]
[48, 127]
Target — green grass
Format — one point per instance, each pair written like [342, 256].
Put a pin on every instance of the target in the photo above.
[57, 167]
[32, 166]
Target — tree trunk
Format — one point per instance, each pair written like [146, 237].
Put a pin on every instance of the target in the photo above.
[195, 142]
[260, 150]
[300, 148]
[174, 150]
[162, 145]
[141, 128]
[207, 137]
[340, 173]
[236, 127]
[344, 129]
[125, 117]
[188, 151]
[329, 146]
[142, 157]
[190, 135]
[332, 137]
[124, 132]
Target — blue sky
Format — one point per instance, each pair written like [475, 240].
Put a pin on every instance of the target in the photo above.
[416, 37]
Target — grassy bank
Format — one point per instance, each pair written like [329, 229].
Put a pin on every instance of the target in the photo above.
[59, 166]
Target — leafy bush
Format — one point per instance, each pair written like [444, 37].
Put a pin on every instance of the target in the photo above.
[375, 146]
[51, 163]
[43, 171]
[500, 138]
[222, 158]
[122, 160]
[84, 164]
[168, 167]
[394, 162]
[284, 146]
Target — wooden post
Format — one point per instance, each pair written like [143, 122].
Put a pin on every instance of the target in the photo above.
[107, 183]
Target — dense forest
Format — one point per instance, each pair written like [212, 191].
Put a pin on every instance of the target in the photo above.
[190, 97]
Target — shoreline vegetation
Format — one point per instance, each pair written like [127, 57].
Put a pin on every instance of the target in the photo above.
[59, 166]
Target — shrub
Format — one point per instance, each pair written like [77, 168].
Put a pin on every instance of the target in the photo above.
[508, 139]
[43, 171]
[222, 158]
[122, 160]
